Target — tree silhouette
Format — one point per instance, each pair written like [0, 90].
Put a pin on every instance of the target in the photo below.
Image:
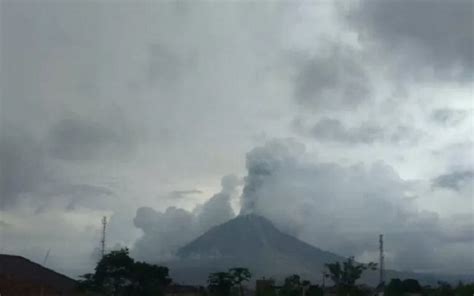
[148, 279]
[346, 274]
[314, 290]
[394, 288]
[292, 286]
[117, 274]
[240, 275]
[411, 286]
[465, 289]
[220, 283]
[265, 287]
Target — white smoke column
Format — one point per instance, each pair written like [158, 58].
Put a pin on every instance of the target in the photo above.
[261, 163]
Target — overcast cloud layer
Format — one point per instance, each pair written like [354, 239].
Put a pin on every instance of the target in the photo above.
[335, 120]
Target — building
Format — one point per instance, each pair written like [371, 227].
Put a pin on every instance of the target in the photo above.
[22, 277]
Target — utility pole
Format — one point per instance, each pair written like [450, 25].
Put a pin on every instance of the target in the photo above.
[46, 257]
[381, 261]
[102, 240]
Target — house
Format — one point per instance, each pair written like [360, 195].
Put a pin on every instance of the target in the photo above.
[22, 277]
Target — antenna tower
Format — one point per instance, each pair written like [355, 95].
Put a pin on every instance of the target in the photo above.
[381, 263]
[102, 240]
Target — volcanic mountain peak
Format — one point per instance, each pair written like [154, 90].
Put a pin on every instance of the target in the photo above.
[243, 234]
[254, 242]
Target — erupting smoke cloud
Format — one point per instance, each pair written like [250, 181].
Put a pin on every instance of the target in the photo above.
[334, 207]
[342, 208]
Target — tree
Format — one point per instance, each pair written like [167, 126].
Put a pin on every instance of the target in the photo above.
[265, 287]
[113, 272]
[117, 274]
[394, 288]
[220, 283]
[240, 275]
[292, 286]
[346, 274]
[314, 290]
[465, 289]
[411, 286]
[444, 289]
[304, 287]
[149, 279]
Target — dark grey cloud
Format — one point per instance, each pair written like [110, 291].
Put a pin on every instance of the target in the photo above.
[178, 194]
[82, 140]
[460, 228]
[449, 116]
[193, 84]
[337, 81]
[166, 66]
[454, 180]
[334, 130]
[458, 154]
[85, 195]
[367, 132]
[405, 134]
[432, 35]
[23, 168]
[4, 224]
[27, 173]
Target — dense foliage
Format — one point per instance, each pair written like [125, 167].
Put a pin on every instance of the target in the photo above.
[397, 287]
[221, 283]
[294, 286]
[118, 274]
[345, 275]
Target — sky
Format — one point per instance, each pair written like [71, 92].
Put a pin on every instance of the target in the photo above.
[337, 120]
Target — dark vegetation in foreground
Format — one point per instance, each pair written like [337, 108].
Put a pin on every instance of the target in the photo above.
[117, 274]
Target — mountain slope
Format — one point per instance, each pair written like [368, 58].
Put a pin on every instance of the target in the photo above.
[250, 241]
[254, 242]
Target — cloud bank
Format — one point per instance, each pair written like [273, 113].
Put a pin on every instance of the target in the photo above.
[343, 209]
[165, 232]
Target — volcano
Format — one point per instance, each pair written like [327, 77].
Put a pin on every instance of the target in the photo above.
[253, 242]
[249, 241]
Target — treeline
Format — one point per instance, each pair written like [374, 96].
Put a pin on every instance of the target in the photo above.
[397, 287]
[117, 274]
